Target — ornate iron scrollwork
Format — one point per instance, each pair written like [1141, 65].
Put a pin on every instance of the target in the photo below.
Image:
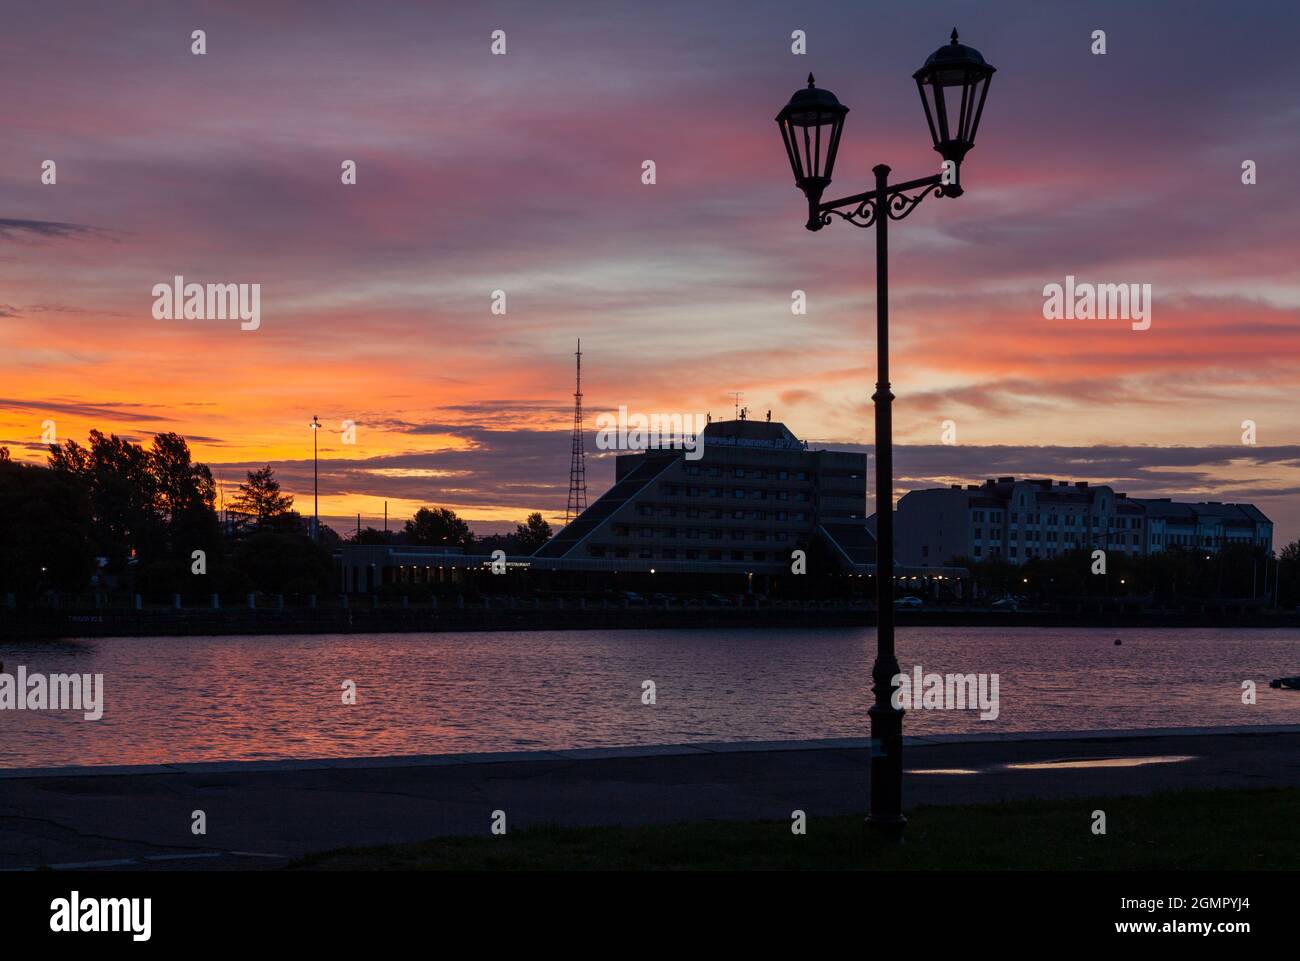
[863, 215]
[898, 204]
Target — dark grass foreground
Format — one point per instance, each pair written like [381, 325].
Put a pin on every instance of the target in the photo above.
[1207, 830]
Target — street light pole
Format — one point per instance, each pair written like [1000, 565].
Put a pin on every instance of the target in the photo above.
[886, 719]
[315, 480]
[953, 84]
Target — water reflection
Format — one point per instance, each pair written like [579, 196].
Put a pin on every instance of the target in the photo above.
[170, 699]
[1060, 764]
[1088, 762]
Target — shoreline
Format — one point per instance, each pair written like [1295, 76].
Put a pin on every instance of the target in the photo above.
[261, 818]
[366, 762]
[94, 623]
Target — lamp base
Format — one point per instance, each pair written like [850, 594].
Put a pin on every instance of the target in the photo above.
[886, 829]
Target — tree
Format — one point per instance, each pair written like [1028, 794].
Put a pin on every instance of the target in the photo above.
[280, 563]
[261, 499]
[439, 527]
[185, 496]
[182, 485]
[46, 530]
[532, 534]
[126, 524]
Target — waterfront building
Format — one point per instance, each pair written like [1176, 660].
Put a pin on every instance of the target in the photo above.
[726, 516]
[1023, 519]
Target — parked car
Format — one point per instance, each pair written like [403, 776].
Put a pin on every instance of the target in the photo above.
[908, 603]
[1005, 604]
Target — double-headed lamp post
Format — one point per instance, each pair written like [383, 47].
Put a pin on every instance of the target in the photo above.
[315, 479]
[953, 83]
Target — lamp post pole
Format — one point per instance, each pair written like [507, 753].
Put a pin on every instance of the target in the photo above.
[315, 480]
[953, 84]
[886, 719]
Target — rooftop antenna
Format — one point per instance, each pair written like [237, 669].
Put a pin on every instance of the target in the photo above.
[578, 456]
[736, 395]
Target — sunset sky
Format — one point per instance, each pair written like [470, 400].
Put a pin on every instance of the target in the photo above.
[523, 173]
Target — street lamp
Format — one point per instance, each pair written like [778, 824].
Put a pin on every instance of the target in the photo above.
[953, 84]
[315, 480]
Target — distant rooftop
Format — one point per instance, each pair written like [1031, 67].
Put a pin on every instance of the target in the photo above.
[756, 432]
[988, 494]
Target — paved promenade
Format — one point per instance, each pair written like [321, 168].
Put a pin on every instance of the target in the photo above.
[259, 814]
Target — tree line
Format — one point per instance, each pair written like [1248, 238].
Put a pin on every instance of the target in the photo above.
[1233, 572]
[119, 515]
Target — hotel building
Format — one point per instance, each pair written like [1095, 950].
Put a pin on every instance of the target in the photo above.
[1022, 519]
[755, 494]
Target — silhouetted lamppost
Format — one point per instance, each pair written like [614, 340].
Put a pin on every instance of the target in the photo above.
[315, 480]
[953, 84]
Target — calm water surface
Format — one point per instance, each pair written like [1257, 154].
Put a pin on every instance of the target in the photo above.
[236, 698]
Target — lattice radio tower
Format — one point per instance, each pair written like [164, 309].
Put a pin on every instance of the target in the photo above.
[578, 460]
